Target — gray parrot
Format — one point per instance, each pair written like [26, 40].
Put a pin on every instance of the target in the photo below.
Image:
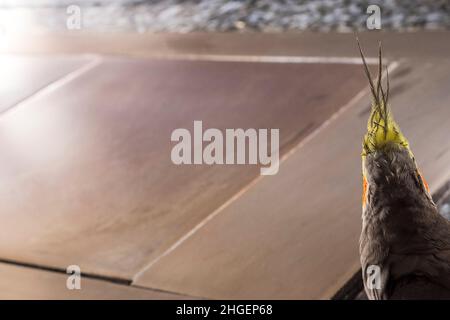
[405, 243]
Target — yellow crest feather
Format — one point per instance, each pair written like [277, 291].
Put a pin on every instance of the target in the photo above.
[381, 127]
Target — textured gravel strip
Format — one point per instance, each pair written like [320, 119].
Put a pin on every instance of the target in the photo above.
[220, 15]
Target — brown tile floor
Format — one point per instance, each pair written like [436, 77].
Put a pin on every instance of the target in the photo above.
[416, 45]
[86, 172]
[24, 75]
[27, 283]
[86, 176]
[295, 235]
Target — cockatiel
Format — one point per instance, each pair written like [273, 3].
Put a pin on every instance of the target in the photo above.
[405, 243]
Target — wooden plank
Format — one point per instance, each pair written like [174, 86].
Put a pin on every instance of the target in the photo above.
[33, 284]
[295, 235]
[323, 44]
[85, 173]
[23, 76]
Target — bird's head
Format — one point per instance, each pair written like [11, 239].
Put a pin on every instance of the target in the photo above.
[388, 165]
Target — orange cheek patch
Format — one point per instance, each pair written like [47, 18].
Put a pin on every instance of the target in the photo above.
[364, 196]
[425, 183]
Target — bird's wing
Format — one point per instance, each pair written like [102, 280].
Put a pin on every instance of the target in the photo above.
[418, 288]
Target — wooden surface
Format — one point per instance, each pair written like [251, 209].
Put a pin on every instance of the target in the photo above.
[25, 75]
[27, 283]
[417, 45]
[86, 175]
[295, 235]
[86, 178]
